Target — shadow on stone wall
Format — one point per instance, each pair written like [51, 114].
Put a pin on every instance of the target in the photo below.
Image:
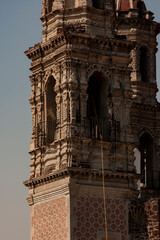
[144, 219]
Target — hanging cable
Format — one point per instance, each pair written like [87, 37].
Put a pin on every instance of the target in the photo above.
[104, 191]
[103, 180]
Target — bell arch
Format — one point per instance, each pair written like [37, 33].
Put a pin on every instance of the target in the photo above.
[97, 88]
[50, 109]
[144, 63]
[98, 105]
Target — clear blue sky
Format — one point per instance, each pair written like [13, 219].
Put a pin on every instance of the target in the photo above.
[20, 29]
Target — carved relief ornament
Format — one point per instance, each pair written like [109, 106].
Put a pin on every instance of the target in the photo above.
[100, 68]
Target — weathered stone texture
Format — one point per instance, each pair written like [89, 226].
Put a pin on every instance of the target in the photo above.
[152, 208]
[144, 219]
[93, 98]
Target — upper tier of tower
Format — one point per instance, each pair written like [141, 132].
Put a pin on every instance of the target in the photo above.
[122, 5]
[52, 5]
[94, 72]
[93, 17]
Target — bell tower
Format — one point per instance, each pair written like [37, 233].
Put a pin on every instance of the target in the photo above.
[95, 145]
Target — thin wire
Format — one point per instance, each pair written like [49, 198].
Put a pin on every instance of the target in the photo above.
[103, 181]
[104, 192]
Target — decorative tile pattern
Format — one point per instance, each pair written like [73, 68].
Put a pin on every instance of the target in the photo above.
[49, 220]
[89, 216]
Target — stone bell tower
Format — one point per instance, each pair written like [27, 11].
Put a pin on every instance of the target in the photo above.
[95, 146]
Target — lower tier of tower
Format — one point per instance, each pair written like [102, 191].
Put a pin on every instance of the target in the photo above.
[69, 205]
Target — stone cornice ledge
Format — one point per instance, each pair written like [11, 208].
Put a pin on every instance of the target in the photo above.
[47, 194]
[75, 171]
[69, 37]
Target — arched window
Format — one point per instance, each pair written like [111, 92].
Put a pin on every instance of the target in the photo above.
[97, 107]
[51, 109]
[96, 96]
[144, 64]
[146, 150]
[98, 4]
[141, 8]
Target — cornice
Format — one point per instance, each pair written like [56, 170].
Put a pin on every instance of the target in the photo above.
[144, 84]
[39, 49]
[100, 41]
[136, 20]
[139, 23]
[79, 172]
[140, 106]
[69, 38]
[46, 178]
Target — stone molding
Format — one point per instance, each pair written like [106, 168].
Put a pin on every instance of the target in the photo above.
[74, 171]
[69, 38]
[47, 195]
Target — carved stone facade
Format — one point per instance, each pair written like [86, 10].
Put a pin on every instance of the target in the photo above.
[93, 98]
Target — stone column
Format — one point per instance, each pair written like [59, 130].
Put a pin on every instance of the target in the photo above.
[118, 5]
[131, 3]
[73, 97]
[33, 140]
[33, 111]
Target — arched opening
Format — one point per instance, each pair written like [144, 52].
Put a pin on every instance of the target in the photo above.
[141, 8]
[97, 107]
[51, 109]
[143, 64]
[96, 96]
[146, 151]
[50, 4]
[98, 4]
